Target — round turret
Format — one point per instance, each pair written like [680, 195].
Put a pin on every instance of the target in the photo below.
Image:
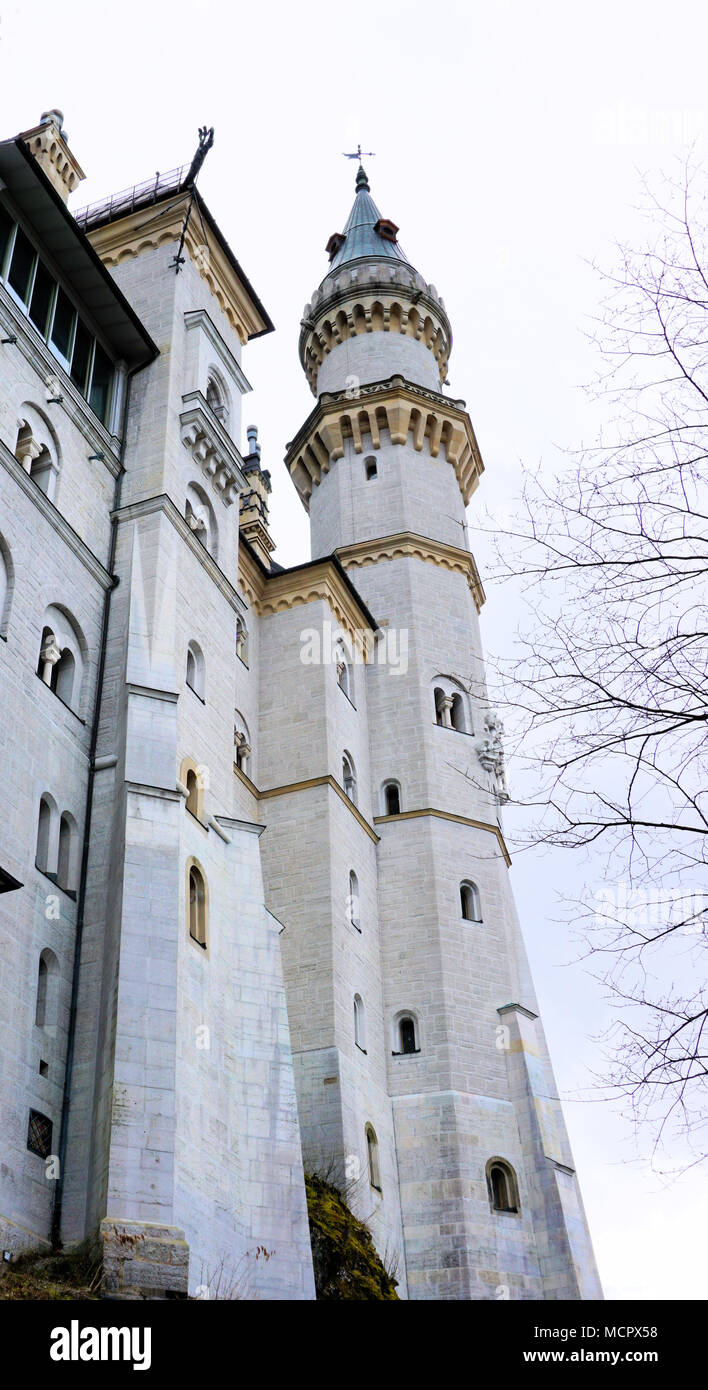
[372, 289]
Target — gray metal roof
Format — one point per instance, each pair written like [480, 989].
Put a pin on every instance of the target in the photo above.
[73, 255]
[361, 241]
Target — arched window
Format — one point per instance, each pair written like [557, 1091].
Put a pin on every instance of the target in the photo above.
[372, 1151]
[392, 799]
[67, 839]
[502, 1186]
[196, 669]
[349, 777]
[197, 906]
[450, 707]
[242, 744]
[241, 640]
[359, 1023]
[45, 856]
[36, 450]
[215, 398]
[47, 982]
[61, 657]
[192, 782]
[192, 785]
[470, 902]
[405, 1035]
[353, 902]
[370, 468]
[200, 518]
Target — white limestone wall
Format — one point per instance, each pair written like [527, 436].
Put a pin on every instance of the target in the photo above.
[239, 1185]
[83, 489]
[375, 356]
[159, 461]
[52, 554]
[411, 492]
[203, 1148]
[312, 841]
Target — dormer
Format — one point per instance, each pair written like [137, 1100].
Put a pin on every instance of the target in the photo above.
[386, 229]
[335, 244]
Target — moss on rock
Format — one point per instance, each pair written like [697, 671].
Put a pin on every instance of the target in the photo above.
[345, 1260]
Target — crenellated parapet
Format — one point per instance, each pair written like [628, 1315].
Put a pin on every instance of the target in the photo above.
[395, 408]
[379, 296]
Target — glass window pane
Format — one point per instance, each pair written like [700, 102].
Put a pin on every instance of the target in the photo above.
[81, 357]
[23, 257]
[41, 299]
[6, 226]
[101, 379]
[63, 325]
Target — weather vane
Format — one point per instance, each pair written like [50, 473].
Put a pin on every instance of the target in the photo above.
[359, 154]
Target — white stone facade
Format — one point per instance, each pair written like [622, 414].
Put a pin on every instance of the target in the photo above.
[195, 1098]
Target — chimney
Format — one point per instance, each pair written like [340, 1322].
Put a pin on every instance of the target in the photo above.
[253, 521]
[48, 143]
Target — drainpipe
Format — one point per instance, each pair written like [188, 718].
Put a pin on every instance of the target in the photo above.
[55, 1234]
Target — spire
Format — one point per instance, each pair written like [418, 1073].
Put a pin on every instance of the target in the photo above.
[367, 235]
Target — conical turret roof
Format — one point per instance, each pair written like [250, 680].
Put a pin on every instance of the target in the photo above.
[361, 239]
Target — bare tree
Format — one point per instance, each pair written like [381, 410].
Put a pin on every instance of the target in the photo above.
[612, 679]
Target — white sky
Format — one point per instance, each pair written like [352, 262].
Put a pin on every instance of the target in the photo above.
[508, 141]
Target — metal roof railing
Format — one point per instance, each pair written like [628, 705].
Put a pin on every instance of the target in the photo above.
[140, 195]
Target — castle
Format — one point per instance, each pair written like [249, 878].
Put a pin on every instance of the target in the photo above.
[254, 903]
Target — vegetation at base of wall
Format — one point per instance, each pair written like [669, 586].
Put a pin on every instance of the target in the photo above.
[75, 1274]
[344, 1258]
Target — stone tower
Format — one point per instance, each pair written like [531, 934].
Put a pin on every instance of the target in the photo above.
[444, 1114]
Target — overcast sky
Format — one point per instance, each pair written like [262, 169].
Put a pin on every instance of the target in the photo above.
[509, 138]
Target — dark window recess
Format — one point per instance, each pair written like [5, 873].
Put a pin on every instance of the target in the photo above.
[6, 226]
[23, 258]
[101, 378]
[407, 1035]
[63, 326]
[44, 1068]
[68, 337]
[371, 469]
[39, 1134]
[81, 358]
[41, 299]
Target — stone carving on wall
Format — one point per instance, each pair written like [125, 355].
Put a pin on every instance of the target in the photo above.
[490, 752]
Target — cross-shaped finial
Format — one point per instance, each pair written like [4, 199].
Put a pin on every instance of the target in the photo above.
[359, 154]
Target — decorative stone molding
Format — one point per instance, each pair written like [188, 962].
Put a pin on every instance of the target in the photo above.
[211, 448]
[395, 405]
[448, 815]
[407, 543]
[326, 781]
[47, 142]
[369, 299]
[275, 593]
[198, 323]
[142, 230]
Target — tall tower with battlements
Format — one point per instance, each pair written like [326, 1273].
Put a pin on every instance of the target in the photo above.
[444, 1112]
